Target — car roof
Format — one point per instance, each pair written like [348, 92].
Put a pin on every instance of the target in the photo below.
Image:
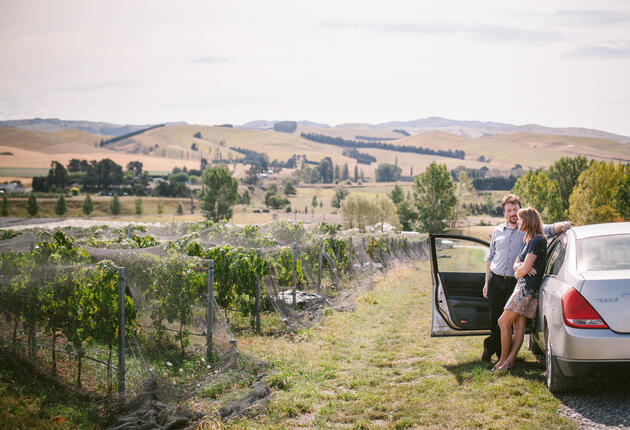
[593, 230]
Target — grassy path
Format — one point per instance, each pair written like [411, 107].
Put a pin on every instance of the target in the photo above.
[378, 367]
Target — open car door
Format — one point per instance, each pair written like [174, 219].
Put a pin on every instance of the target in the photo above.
[458, 265]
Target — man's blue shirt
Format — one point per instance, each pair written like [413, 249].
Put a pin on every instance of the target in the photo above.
[504, 247]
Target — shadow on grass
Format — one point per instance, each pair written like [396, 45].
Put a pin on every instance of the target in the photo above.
[473, 370]
[41, 399]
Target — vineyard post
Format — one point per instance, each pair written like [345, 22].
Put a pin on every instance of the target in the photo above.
[319, 270]
[128, 231]
[337, 262]
[350, 253]
[372, 249]
[210, 310]
[294, 252]
[121, 335]
[258, 298]
[363, 242]
[32, 352]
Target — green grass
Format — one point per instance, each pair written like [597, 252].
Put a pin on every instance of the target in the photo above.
[378, 367]
[27, 402]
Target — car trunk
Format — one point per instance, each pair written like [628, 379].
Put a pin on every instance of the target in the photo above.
[609, 294]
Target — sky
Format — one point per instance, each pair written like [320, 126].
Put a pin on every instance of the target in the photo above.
[553, 63]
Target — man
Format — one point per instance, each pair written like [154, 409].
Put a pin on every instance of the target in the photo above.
[500, 281]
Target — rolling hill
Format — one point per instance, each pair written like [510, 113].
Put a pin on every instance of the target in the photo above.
[163, 148]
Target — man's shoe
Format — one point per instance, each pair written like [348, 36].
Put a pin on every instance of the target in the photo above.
[486, 356]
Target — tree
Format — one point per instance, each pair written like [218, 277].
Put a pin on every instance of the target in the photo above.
[386, 172]
[565, 172]
[463, 189]
[180, 209]
[219, 192]
[406, 215]
[434, 197]
[60, 206]
[135, 167]
[325, 168]
[356, 173]
[538, 190]
[289, 189]
[160, 207]
[138, 206]
[358, 212]
[88, 205]
[4, 208]
[114, 205]
[314, 202]
[397, 195]
[276, 201]
[386, 213]
[345, 173]
[32, 207]
[601, 194]
[245, 198]
[57, 175]
[337, 172]
[340, 194]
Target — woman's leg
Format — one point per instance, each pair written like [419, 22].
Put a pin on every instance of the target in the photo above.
[506, 320]
[517, 340]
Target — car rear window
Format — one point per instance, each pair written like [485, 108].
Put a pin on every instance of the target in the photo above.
[604, 253]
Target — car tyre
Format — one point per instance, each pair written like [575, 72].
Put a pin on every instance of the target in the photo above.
[556, 381]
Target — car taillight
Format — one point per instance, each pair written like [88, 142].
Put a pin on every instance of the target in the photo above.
[577, 312]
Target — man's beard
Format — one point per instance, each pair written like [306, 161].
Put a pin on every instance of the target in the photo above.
[513, 219]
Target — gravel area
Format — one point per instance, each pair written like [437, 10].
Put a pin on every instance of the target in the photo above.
[599, 403]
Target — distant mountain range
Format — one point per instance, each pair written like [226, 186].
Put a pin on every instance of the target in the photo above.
[54, 124]
[472, 129]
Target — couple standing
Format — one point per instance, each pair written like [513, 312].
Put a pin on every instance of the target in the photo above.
[517, 259]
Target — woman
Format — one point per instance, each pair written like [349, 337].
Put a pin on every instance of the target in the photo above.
[523, 303]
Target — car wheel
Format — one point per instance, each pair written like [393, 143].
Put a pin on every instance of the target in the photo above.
[532, 344]
[556, 381]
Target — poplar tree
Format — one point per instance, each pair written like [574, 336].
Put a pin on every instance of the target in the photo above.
[88, 205]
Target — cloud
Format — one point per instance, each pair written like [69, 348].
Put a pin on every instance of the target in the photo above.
[208, 60]
[105, 85]
[488, 33]
[591, 17]
[600, 52]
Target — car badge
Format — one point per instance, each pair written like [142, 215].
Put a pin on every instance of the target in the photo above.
[606, 299]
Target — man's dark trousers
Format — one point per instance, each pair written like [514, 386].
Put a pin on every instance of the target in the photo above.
[500, 289]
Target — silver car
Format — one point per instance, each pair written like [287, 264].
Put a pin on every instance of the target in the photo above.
[583, 320]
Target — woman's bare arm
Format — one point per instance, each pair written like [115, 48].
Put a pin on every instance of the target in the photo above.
[526, 267]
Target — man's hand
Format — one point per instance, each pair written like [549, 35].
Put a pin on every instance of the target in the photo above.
[485, 290]
[561, 227]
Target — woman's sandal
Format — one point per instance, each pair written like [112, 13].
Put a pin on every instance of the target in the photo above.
[501, 369]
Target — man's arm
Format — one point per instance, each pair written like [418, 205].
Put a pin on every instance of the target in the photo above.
[485, 286]
[551, 230]
[488, 263]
